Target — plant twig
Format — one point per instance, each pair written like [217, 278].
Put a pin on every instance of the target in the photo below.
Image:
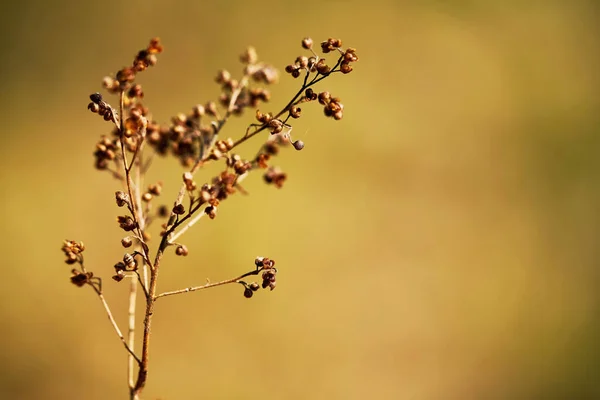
[208, 285]
[114, 324]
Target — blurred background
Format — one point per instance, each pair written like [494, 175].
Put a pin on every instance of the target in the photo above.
[439, 242]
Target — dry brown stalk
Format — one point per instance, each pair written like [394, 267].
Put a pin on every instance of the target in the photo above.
[193, 139]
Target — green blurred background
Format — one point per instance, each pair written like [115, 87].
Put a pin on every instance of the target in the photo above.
[440, 242]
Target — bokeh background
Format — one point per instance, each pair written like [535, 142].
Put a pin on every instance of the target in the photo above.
[440, 242]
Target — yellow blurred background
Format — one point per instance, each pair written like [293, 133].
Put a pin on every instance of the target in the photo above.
[439, 242]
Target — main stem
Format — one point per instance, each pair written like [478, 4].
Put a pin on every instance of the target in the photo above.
[143, 371]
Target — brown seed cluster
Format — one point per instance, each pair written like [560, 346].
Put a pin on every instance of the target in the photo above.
[126, 223]
[269, 274]
[129, 264]
[275, 176]
[73, 251]
[194, 139]
[126, 76]
[100, 107]
[79, 278]
[190, 135]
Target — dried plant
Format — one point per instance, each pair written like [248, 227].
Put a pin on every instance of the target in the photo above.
[195, 139]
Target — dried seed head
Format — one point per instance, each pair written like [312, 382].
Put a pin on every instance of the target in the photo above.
[163, 211]
[155, 188]
[147, 197]
[298, 144]
[324, 97]
[155, 46]
[119, 276]
[122, 198]
[345, 68]
[96, 98]
[322, 67]
[302, 62]
[179, 209]
[350, 55]
[126, 241]
[181, 250]
[263, 118]
[126, 223]
[275, 176]
[198, 111]
[136, 91]
[211, 108]
[93, 107]
[211, 211]
[80, 278]
[310, 94]
[295, 112]
[249, 56]
[307, 43]
[248, 292]
[330, 45]
[188, 179]
[129, 262]
[254, 286]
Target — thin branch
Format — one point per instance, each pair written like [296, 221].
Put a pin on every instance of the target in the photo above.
[208, 285]
[114, 324]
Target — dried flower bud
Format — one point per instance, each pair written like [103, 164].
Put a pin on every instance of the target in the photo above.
[96, 98]
[155, 188]
[129, 262]
[345, 68]
[126, 223]
[147, 197]
[80, 278]
[322, 67]
[93, 107]
[119, 276]
[188, 179]
[249, 56]
[181, 250]
[350, 55]
[263, 118]
[122, 198]
[302, 62]
[254, 286]
[298, 144]
[276, 126]
[198, 111]
[126, 241]
[248, 292]
[179, 209]
[163, 211]
[307, 43]
[155, 46]
[295, 112]
[211, 211]
[324, 97]
[223, 76]
[120, 266]
[211, 108]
